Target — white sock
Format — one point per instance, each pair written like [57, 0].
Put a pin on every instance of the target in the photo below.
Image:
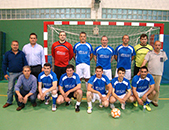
[89, 104]
[77, 103]
[86, 83]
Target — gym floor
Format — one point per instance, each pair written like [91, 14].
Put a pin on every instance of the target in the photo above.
[42, 118]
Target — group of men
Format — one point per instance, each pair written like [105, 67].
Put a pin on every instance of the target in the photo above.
[100, 86]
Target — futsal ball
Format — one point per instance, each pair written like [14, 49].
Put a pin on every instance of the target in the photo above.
[115, 112]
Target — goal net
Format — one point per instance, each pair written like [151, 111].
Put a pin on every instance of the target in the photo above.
[113, 30]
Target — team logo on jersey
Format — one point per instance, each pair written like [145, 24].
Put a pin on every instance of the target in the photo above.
[60, 53]
[125, 55]
[104, 56]
[82, 52]
[100, 88]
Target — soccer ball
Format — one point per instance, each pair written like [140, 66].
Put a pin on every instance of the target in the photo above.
[115, 112]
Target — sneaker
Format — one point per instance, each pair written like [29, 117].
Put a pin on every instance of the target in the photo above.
[54, 107]
[112, 106]
[147, 107]
[77, 108]
[123, 106]
[47, 101]
[135, 104]
[100, 105]
[67, 103]
[89, 110]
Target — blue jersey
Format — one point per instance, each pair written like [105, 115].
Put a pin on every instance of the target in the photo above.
[120, 87]
[82, 52]
[142, 84]
[99, 84]
[47, 80]
[104, 56]
[124, 56]
[69, 82]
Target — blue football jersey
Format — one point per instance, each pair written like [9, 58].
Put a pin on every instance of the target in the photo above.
[47, 80]
[120, 87]
[104, 56]
[99, 84]
[82, 52]
[142, 84]
[69, 82]
[124, 56]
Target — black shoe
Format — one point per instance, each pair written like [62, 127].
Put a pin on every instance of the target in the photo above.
[77, 108]
[67, 103]
[34, 105]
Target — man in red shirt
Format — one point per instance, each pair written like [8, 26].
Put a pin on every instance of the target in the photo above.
[62, 53]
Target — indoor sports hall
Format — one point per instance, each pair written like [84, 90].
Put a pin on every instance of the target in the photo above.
[113, 18]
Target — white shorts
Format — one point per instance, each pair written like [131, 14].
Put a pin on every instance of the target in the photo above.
[122, 96]
[140, 94]
[108, 73]
[127, 74]
[83, 70]
[97, 97]
[44, 89]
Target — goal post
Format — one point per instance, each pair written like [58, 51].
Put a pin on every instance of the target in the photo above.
[95, 30]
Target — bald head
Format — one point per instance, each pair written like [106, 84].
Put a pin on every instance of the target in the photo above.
[157, 46]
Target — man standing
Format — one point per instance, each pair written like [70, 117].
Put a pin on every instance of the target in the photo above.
[62, 53]
[49, 79]
[121, 89]
[155, 59]
[96, 89]
[83, 53]
[143, 89]
[70, 86]
[25, 89]
[13, 62]
[103, 56]
[34, 55]
[141, 50]
[124, 54]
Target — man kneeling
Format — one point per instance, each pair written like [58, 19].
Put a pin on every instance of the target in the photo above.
[143, 89]
[25, 89]
[70, 86]
[49, 79]
[121, 89]
[96, 89]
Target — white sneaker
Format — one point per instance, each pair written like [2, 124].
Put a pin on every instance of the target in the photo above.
[112, 106]
[89, 110]
[123, 106]
[53, 107]
[100, 105]
[47, 102]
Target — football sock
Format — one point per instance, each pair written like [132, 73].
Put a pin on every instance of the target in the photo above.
[89, 104]
[54, 97]
[86, 83]
[147, 101]
[77, 103]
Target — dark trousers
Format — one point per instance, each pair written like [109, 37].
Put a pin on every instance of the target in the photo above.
[35, 70]
[136, 70]
[59, 71]
[31, 98]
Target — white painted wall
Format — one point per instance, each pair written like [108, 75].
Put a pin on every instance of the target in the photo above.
[129, 4]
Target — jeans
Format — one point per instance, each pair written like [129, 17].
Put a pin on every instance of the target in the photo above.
[31, 98]
[11, 82]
